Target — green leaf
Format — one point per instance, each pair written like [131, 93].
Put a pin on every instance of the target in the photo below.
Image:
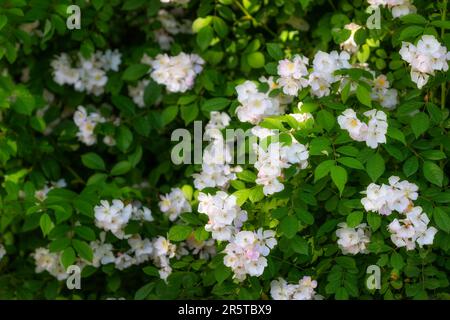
[204, 37]
[169, 114]
[420, 123]
[130, 5]
[396, 134]
[363, 95]
[305, 216]
[220, 27]
[256, 60]
[346, 92]
[85, 233]
[125, 104]
[354, 219]
[46, 224]
[351, 163]
[247, 176]
[59, 244]
[120, 168]
[346, 262]
[410, 32]
[189, 113]
[323, 169]
[374, 220]
[179, 232]
[410, 166]
[144, 291]
[92, 160]
[433, 173]
[151, 271]
[375, 167]
[134, 72]
[215, 104]
[221, 273]
[433, 154]
[241, 196]
[83, 249]
[24, 102]
[445, 24]
[325, 119]
[339, 177]
[124, 138]
[397, 261]
[442, 219]
[3, 21]
[275, 51]
[341, 294]
[201, 234]
[68, 257]
[300, 245]
[413, 18]
[289, 226]
[151, 93]
[256, 194]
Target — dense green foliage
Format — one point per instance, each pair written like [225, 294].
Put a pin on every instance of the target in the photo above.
[239, 40]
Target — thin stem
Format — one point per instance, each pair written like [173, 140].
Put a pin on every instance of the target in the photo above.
[255, 22]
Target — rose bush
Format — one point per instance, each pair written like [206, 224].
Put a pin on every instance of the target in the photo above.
[348, 109]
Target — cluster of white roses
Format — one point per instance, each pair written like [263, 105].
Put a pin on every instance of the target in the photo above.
[204, 249]
[411, 230]
[256, 105]
[216, 159]
[382, 93]
[50, 262]
[41, 194]
[353, 240]
[294, 76]
[89, 75]
[86, 123]
[425, 58]
[247, 251]
[277, 156]
[304, 290]
[398, 8]
[174, 203]
[159, 250]
[322, 76]
[177, 73]
[372, 133]
[115, 216]
[399, 196]
[225, 216]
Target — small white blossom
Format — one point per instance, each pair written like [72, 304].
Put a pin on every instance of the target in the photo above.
[353, 240]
